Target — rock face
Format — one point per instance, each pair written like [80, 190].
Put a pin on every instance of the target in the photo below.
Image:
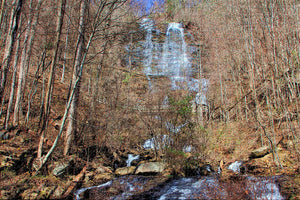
[125, 171]
[151, 167]
[260, 152]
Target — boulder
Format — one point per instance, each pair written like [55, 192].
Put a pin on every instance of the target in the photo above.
[263, 165]
[125, 171]
[103, 169]
[103, 177]
[260, 152]
[151, 167]
[268, 166]
[60, 168]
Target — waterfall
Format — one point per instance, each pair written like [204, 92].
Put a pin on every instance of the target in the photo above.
[148, 26]
[170, 58]
[174, 50]
[174, 62]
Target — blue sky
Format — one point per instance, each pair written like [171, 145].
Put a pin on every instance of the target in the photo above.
[146, 5]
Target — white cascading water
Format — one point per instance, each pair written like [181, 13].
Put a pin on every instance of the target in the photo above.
[131, 158]
[148, 25]
[173, 61]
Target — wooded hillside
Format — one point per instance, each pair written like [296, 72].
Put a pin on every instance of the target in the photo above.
[68, 89]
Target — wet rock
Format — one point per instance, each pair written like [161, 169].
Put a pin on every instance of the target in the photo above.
[260, 152]
[151, 167]
[125, 171]
[206, 170]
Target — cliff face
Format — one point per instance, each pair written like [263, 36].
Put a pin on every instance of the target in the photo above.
[167, 53]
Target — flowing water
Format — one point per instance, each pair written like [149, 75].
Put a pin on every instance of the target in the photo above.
[209, 187]
[171, 59]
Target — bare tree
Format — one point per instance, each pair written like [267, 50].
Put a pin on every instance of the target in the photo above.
[76, 75]
[66, 48]
[62, 5]
[10, 43]
[103, 13]
[2, 12]
[26, 55]
[13, 82]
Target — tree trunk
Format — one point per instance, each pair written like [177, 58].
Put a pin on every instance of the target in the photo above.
[77, 66]
[9, 46]
[13, 82]
[25, 59]
[66, 51]
[2, 11]
[34, 84]
[51, 75]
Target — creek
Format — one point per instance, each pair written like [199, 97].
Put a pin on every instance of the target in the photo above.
[201, 187]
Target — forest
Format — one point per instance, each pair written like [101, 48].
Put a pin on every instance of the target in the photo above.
[82, 87]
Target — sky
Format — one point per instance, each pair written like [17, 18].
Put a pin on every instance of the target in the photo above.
[146, 5]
